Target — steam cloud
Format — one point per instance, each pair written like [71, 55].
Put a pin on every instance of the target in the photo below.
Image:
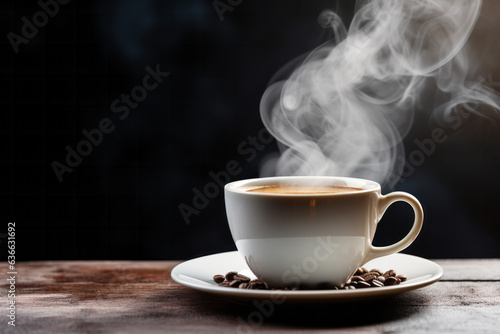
[345, 110]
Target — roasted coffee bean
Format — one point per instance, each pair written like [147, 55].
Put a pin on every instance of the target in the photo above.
[230, 275]
[402, 278]
[219, 279]
[376, 282]
[357, 278]
[376, 271]
[242, 278]
[224, 283]
[369, 276]
[363, 284]
[380, 278]
[243, 285]
[235, 283]
[391, 280]
[257, 284]
[390, 273]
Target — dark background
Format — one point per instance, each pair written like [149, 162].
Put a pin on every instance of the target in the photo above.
[122, 201]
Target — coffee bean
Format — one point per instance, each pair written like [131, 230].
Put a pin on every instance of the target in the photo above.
[242, 278]
[380, 278]
[391, 280]
[376, 282]
[257, 284]
[369, 276]
[390, 273]
[230, 275]
[225, 283]
[402, 277]
[218, 278]
[376, 271]
[362, 284]
[243, 285]
[235, 283]
[357, 278]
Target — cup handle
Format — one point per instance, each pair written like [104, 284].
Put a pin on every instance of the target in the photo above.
[383, 204]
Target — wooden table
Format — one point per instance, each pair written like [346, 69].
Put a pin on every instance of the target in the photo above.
[140, 297]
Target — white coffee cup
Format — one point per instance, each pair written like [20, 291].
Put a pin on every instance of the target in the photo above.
[311, 240]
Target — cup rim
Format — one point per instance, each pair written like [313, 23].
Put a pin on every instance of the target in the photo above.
[367, 186]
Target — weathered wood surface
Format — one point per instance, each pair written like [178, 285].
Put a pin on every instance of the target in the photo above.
[140, 297]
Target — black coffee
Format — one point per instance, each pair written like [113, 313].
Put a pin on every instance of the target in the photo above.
[301, 189]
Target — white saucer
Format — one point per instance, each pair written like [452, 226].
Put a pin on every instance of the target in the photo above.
[198, 274]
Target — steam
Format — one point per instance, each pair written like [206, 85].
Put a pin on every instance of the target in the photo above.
[345, 110]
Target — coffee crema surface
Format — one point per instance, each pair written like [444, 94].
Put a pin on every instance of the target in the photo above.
[301, 189]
